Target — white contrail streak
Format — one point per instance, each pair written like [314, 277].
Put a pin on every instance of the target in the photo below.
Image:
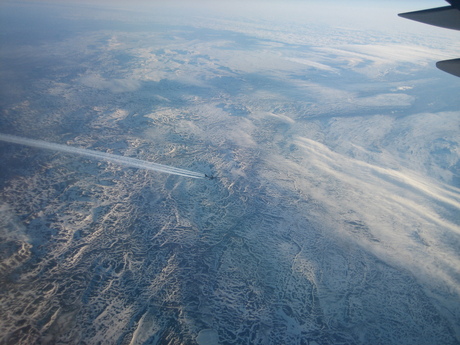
[132, 162]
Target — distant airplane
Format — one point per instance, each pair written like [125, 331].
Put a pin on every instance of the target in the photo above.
[445, 17]
[211, 177]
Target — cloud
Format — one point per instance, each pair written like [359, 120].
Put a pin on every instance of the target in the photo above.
[398, 215]
[313, 64]
[114, 85]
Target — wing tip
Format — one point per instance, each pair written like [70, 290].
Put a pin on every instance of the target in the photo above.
[445, 17]
[450, 66]
[410, 15]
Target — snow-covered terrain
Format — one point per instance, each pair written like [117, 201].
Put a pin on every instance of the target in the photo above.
[334, 215]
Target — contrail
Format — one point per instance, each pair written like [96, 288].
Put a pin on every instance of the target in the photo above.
[132, 162]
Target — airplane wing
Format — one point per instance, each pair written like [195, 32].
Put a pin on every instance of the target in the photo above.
[450, 66]
[445, 17]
